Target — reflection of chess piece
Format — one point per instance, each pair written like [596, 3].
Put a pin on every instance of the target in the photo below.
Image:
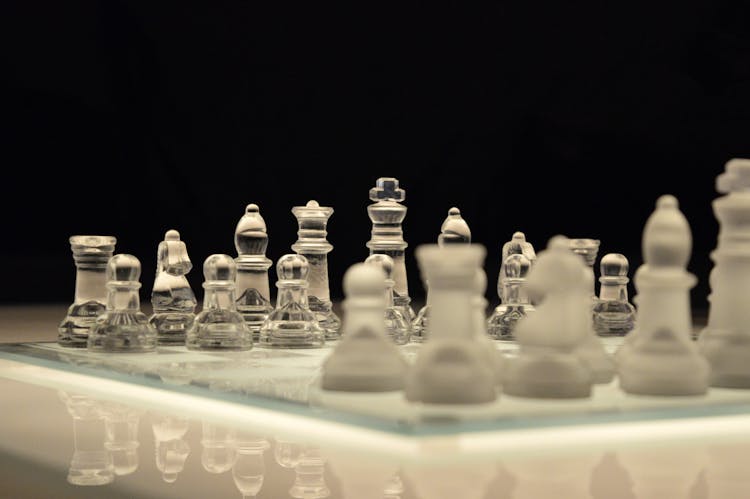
[454, 230]
[123, 327]
[291, 324]
[387, 213]
[397, 327]
[253, 294]
[172, 298]
[394, 487]
[450, 367]
[90, 254]
[309, 480]
[249, 467]
[219, 448]
[170, 447]
[563, 476]
[610, 479]
[613, 313]
[286, 453]
[726, 470]
[312, 244]
[92, 462]
[514, 302]
[219, 326]
[361, 476]
[658, 472]
[467, 480]
[121, 435]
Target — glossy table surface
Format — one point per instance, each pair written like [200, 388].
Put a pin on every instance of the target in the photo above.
[158, 439]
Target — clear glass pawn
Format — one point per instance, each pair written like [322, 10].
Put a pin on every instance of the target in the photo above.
[588, 249]
[253, 293]
[219, 326]
[454, 230]
[90, 254]
[397, 327]
[312, 244]
[613, 314]
[172, 299]
[514, 302]
[291, 324]
[123, 327]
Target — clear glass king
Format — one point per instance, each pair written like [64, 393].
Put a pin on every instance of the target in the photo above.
[90, 254]
[253, 295]
[312, 244]
[387, 214]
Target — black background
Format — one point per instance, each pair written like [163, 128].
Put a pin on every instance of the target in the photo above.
[131, 118]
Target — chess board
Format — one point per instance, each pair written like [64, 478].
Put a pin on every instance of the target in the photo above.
[286, 382]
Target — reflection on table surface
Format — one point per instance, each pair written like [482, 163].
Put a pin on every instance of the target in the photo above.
[88, 447]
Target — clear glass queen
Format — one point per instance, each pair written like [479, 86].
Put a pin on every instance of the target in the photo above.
[312, 244]
[292, 324]
[387, 214]
[253, 294]
[90, 254]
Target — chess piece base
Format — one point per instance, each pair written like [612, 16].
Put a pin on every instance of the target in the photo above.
[171, 327]
[119, 332]
[74, 329]
[548, 375]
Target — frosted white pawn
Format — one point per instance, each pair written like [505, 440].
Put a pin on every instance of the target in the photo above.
[725, 341]
[546, 365]
[123, 327]
[172, 299]
[292, 324]
[365, 360]
[613, 313]
[454, 230]
[662, 358]
[397, 326]
[219, 326]
[450, 367]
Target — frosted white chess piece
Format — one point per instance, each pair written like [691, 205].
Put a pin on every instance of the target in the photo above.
[450, 367]
[218, 448]
[397, 326]
[172, 299]
[547, 364]
[661, 357]
[366, 359]
[725, 341]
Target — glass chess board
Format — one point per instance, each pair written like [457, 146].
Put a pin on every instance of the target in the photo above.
[284, 382]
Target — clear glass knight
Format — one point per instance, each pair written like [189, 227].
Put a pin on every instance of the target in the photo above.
[387, 214]
[613, 314]
[253, 294]
[172, 299]
[312, 244]
[90, 254]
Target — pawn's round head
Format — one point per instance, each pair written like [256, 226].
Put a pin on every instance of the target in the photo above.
[614, 265]
[172, 235]
[385, 262]
[292, 267]
[516, 266]
[364, 279]
[219, 267]
[123, 267]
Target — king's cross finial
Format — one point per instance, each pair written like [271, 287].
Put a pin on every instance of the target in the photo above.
[386, 188]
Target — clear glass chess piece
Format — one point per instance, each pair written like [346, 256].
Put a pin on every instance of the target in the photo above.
[172, 299]
[219, 326]
[291, 324]
[312, 244]
[397, 327]
[90, 254]
[122, 327]
[171, 449]
[92, 462]
[253, 294]
[613, 314]
[287, 453]
[454, 230]
[514, 302]
[387, 214]
[588, 249]
[249, 468]
[309, 479]
[516, 245]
